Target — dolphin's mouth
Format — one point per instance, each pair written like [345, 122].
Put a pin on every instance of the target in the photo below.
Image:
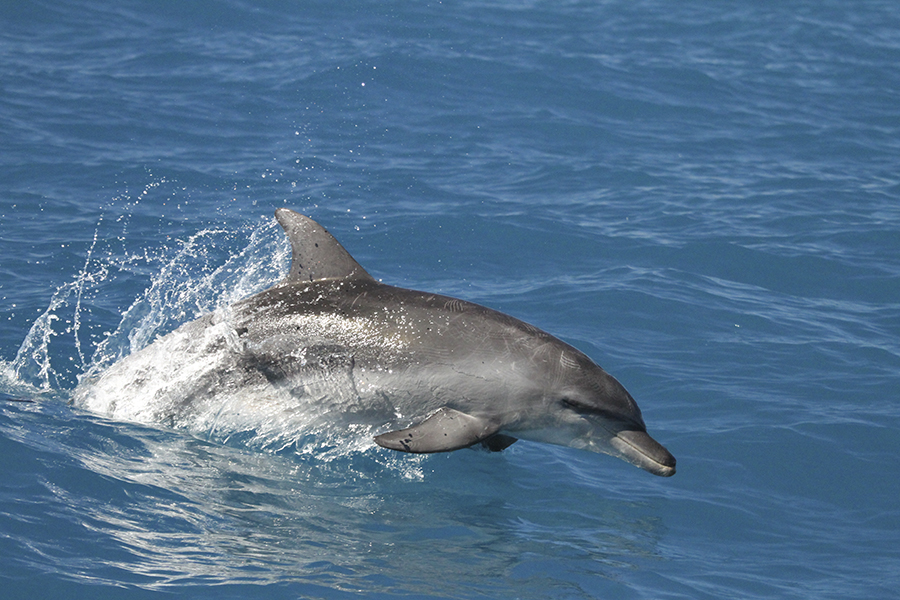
[643, 451]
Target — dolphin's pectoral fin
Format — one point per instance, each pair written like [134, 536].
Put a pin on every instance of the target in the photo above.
[445, 430]
[498, 442]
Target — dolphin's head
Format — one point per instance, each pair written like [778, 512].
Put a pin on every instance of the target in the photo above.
[593, 411]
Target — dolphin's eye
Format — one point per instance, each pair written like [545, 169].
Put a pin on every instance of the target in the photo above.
[589, 410]
[578, 406]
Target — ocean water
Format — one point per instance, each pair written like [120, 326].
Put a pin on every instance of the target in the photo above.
[704, 197]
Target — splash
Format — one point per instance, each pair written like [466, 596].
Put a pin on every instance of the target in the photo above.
[79, 334]
[203, 273]
[189, 285]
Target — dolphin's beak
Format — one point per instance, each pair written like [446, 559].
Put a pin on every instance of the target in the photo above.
[641, 450]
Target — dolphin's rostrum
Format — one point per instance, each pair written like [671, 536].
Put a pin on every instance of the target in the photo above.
[440, 373]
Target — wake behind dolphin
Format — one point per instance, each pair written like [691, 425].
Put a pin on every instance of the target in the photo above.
[331, 346]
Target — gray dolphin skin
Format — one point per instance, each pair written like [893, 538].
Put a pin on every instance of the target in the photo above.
[433, 373]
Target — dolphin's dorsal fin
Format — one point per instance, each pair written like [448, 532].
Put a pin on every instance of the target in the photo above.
[445, 430]
[316, 255]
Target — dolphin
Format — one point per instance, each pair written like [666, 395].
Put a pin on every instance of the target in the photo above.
[434, 373]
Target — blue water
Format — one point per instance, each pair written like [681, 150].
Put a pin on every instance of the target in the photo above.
[702, 196]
